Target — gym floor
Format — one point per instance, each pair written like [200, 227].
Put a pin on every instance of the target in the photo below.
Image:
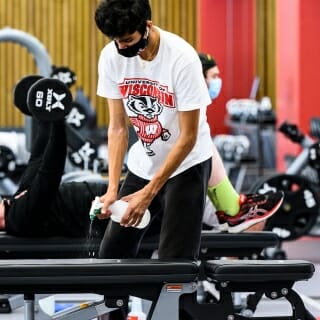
[306, 248]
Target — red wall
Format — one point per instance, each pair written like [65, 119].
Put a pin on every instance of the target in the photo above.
[309, 61]
[287, 73]
[226, 31]
[298, 68]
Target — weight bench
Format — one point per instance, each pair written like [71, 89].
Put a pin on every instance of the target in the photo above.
[12, 247]
[272, 278]
[160, 281]
[242, 245]
[170, 285]
[213, 245]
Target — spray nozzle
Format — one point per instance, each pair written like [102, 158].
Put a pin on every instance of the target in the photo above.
[95, 208]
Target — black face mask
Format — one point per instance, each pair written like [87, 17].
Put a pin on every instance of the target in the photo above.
[133, 50]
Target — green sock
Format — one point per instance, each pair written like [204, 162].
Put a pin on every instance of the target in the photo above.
[224, 197]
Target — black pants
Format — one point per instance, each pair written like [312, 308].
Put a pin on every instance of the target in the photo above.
[181, 203]
[40, 180]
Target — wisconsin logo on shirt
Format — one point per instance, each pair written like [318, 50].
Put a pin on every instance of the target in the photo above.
[146, 99]
[146, 87]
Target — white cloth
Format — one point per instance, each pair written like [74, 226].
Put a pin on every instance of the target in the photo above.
[153, 92]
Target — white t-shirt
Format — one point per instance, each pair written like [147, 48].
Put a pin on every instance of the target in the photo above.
[153, 92]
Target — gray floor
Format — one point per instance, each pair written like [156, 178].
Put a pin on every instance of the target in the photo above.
[305, 248]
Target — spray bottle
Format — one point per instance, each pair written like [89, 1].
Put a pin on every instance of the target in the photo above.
[95, 208]
[118, 208]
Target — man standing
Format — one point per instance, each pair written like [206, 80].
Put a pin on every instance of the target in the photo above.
[154, 78]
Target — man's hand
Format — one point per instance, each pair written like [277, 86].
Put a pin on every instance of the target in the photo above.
[138, 203]
[107, 199]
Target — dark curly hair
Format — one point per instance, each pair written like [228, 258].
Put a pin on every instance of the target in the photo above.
[116, 18]
[207, 62]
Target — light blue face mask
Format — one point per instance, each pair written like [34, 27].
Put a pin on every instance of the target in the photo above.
[215, 87]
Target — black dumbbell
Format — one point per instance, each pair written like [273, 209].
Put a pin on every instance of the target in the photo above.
[50, 100]
[76, 117]
[83, 152]
[45, 98]
[64, 74]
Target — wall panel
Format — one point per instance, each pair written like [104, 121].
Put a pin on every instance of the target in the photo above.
[266, 48]
[67, 30]
[226, 30]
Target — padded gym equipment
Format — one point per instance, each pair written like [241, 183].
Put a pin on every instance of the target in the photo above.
[273, 279]
[248, 245]
[170, 284]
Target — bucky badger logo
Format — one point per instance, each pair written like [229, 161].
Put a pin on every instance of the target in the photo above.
[148, 126]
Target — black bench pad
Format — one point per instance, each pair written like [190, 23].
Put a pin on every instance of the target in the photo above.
[258, 270]
[52, 247]
[215, 245]
[90, 275]
[223, 240]
[245, 244]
